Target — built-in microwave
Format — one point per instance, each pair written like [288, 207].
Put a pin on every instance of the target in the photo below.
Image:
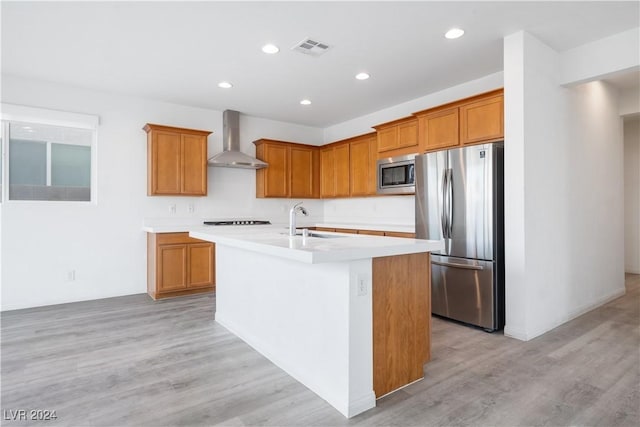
[396, 175]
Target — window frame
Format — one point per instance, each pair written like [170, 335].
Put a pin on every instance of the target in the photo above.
[24, 114]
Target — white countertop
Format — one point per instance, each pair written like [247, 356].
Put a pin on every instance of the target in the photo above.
[274, 240]
[183, 226]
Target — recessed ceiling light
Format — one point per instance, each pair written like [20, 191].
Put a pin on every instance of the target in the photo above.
[270, 48]
[225, 85]
[454, 33]
[362, 76]
[305, 102]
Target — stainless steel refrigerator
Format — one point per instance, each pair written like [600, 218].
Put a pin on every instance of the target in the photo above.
[460, 199]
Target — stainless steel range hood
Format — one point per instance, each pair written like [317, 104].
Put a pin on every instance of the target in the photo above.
[231, 156]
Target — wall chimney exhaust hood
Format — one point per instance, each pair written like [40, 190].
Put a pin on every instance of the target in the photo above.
[231, 156]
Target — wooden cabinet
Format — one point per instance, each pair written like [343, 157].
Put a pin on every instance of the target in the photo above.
[273, 181]
[362, 165]
[335, 170]
[402, 334]
[400, 234]
[475, 120]
[368, 232]
[439, 129]
[176, 161]
[482, 121]
[179, 265]
[304, 163]
[292, 171]
[398, 137]
[371, 232]
[348, 167]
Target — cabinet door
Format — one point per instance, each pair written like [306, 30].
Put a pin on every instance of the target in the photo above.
[301, 172]
[440, 129]
[342, 170]
[277, 173]
[172, 267]
[408, 134]
[165, 163]
[327, 173]
[360, 168]
[388, 139]
[482, 121]
[373, 166]
[201, 265]
[194, 165]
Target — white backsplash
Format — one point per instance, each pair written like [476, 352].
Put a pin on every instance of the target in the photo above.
[396, 210]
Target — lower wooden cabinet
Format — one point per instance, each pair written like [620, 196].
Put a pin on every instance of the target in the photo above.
[400, 234]
[179, 265]
[368, 232]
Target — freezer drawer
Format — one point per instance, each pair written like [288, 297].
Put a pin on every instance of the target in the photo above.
[463, 290]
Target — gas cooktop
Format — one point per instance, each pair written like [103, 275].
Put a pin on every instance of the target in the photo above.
[238, 222]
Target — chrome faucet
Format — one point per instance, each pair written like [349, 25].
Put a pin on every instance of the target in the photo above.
[292, 217]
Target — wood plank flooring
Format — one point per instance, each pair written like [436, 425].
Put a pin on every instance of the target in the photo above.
[131, 361]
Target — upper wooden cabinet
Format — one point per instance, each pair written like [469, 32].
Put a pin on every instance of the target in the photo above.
[439, 129]
[362, 165]
[474, 120]
[397, 137]
[292, 171]
[482, 120]
[348, 167]
[304, 163]
[335, 170]
[176, 161]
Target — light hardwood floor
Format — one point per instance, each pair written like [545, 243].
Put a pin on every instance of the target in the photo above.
[131, 361]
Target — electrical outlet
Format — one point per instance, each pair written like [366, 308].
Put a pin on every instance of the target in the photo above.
[362, 286]
[71, 276]
[191, 208]
[172, 209]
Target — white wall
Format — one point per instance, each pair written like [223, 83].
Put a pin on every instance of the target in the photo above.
[103, 242]
[563, 191]
[363, 124]
[629, 101]
[618, 52]
[632, 195]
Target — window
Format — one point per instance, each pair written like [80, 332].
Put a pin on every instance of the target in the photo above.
[48, 161]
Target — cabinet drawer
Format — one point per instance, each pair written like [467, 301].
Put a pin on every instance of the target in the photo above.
[400, 234]
[371, 232]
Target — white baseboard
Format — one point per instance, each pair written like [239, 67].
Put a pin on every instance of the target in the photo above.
[524, 335]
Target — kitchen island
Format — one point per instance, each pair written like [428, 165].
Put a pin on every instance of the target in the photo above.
[346, 315]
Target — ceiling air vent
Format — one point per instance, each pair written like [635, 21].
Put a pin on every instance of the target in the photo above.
[311, 47]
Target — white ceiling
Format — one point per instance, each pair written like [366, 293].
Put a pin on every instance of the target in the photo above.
[179, 51]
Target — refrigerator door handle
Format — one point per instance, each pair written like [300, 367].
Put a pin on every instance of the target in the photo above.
[443, 215]
[450, 203]
[455, 265]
